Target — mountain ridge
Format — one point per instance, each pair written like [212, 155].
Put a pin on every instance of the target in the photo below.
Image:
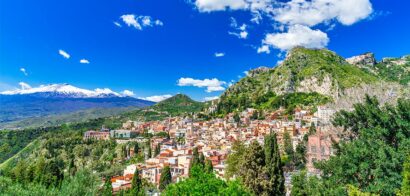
[309, 71]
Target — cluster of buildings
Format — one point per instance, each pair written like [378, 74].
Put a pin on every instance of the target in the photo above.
[214, 138]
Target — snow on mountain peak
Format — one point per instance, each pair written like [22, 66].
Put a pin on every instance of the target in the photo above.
[65, 89]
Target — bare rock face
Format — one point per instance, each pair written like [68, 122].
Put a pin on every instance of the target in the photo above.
[324, 86]
[364, 60]
[386, 93]
[257, 71]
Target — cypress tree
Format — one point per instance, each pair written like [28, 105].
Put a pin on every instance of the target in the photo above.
[195, 157]
[149, 149]
[157, 149]
[136, 183]
[136, 148]
[274, 167]
[252, 169]
[166, 178]
[208, 166]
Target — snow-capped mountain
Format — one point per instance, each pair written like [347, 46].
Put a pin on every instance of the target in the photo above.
[53, 99]
[65, 90]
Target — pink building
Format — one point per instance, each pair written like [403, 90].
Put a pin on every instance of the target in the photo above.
[97, 135]
[319, 148]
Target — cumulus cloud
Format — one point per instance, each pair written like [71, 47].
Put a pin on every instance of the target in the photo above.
[156, 98]
[64, 54]
[219, 54]
[210, 98]
[139, 22]
[24, 86]
[314, 12]
[23, 70]
[127, 93]
[211, 85]
[84, 61]
[297, 35]
[293, 15]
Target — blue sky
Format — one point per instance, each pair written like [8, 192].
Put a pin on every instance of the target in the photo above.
[174, 50]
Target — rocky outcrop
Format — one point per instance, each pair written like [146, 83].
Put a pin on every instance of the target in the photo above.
[364, 60]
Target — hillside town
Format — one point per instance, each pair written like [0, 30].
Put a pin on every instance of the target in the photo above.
[174, 139]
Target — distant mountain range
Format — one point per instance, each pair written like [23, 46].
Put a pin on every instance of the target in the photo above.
[58, 99]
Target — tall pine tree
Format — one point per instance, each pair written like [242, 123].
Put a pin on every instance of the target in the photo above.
[136, 183]
[274, 166]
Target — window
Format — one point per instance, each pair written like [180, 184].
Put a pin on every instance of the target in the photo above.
[313, 149]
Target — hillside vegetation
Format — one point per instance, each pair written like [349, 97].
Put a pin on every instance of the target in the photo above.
[311, 74]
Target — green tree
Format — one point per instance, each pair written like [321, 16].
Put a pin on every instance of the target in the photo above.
[157, 149]
[274, 166]
[149, 149]
[84, 182]
[300, 155]
[136, 148]
[405, 185]
[288, 148]
[107, 189]
[236, 118]
[252, 169]
[136, 183]
[379, 141]
[204, 183]
[208, 166]
[166, 178]
[195, 157]
[234, 158]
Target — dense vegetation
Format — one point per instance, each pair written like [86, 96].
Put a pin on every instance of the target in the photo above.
[178, 104]
[202, 181]
[270, 101]
[258, 168]
[372, 154]
[395, 70]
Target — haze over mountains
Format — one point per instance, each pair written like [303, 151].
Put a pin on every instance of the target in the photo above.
[56, 99]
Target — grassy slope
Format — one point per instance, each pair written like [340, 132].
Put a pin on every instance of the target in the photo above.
[20, 155]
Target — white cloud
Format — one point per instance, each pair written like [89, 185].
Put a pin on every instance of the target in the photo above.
[314, 12]
[246, 73]
[139, 22]
[220, 5]
[239, 31]
[24, 86]
[292, 15]
[210, 98]
[156, 98]
[264, 49]
[130, 20]
[219, 54]
[211, 85]
[297, 35]
[127, 93]
[23, 70]
[117, 24]
[84, 61]
[64, 54]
